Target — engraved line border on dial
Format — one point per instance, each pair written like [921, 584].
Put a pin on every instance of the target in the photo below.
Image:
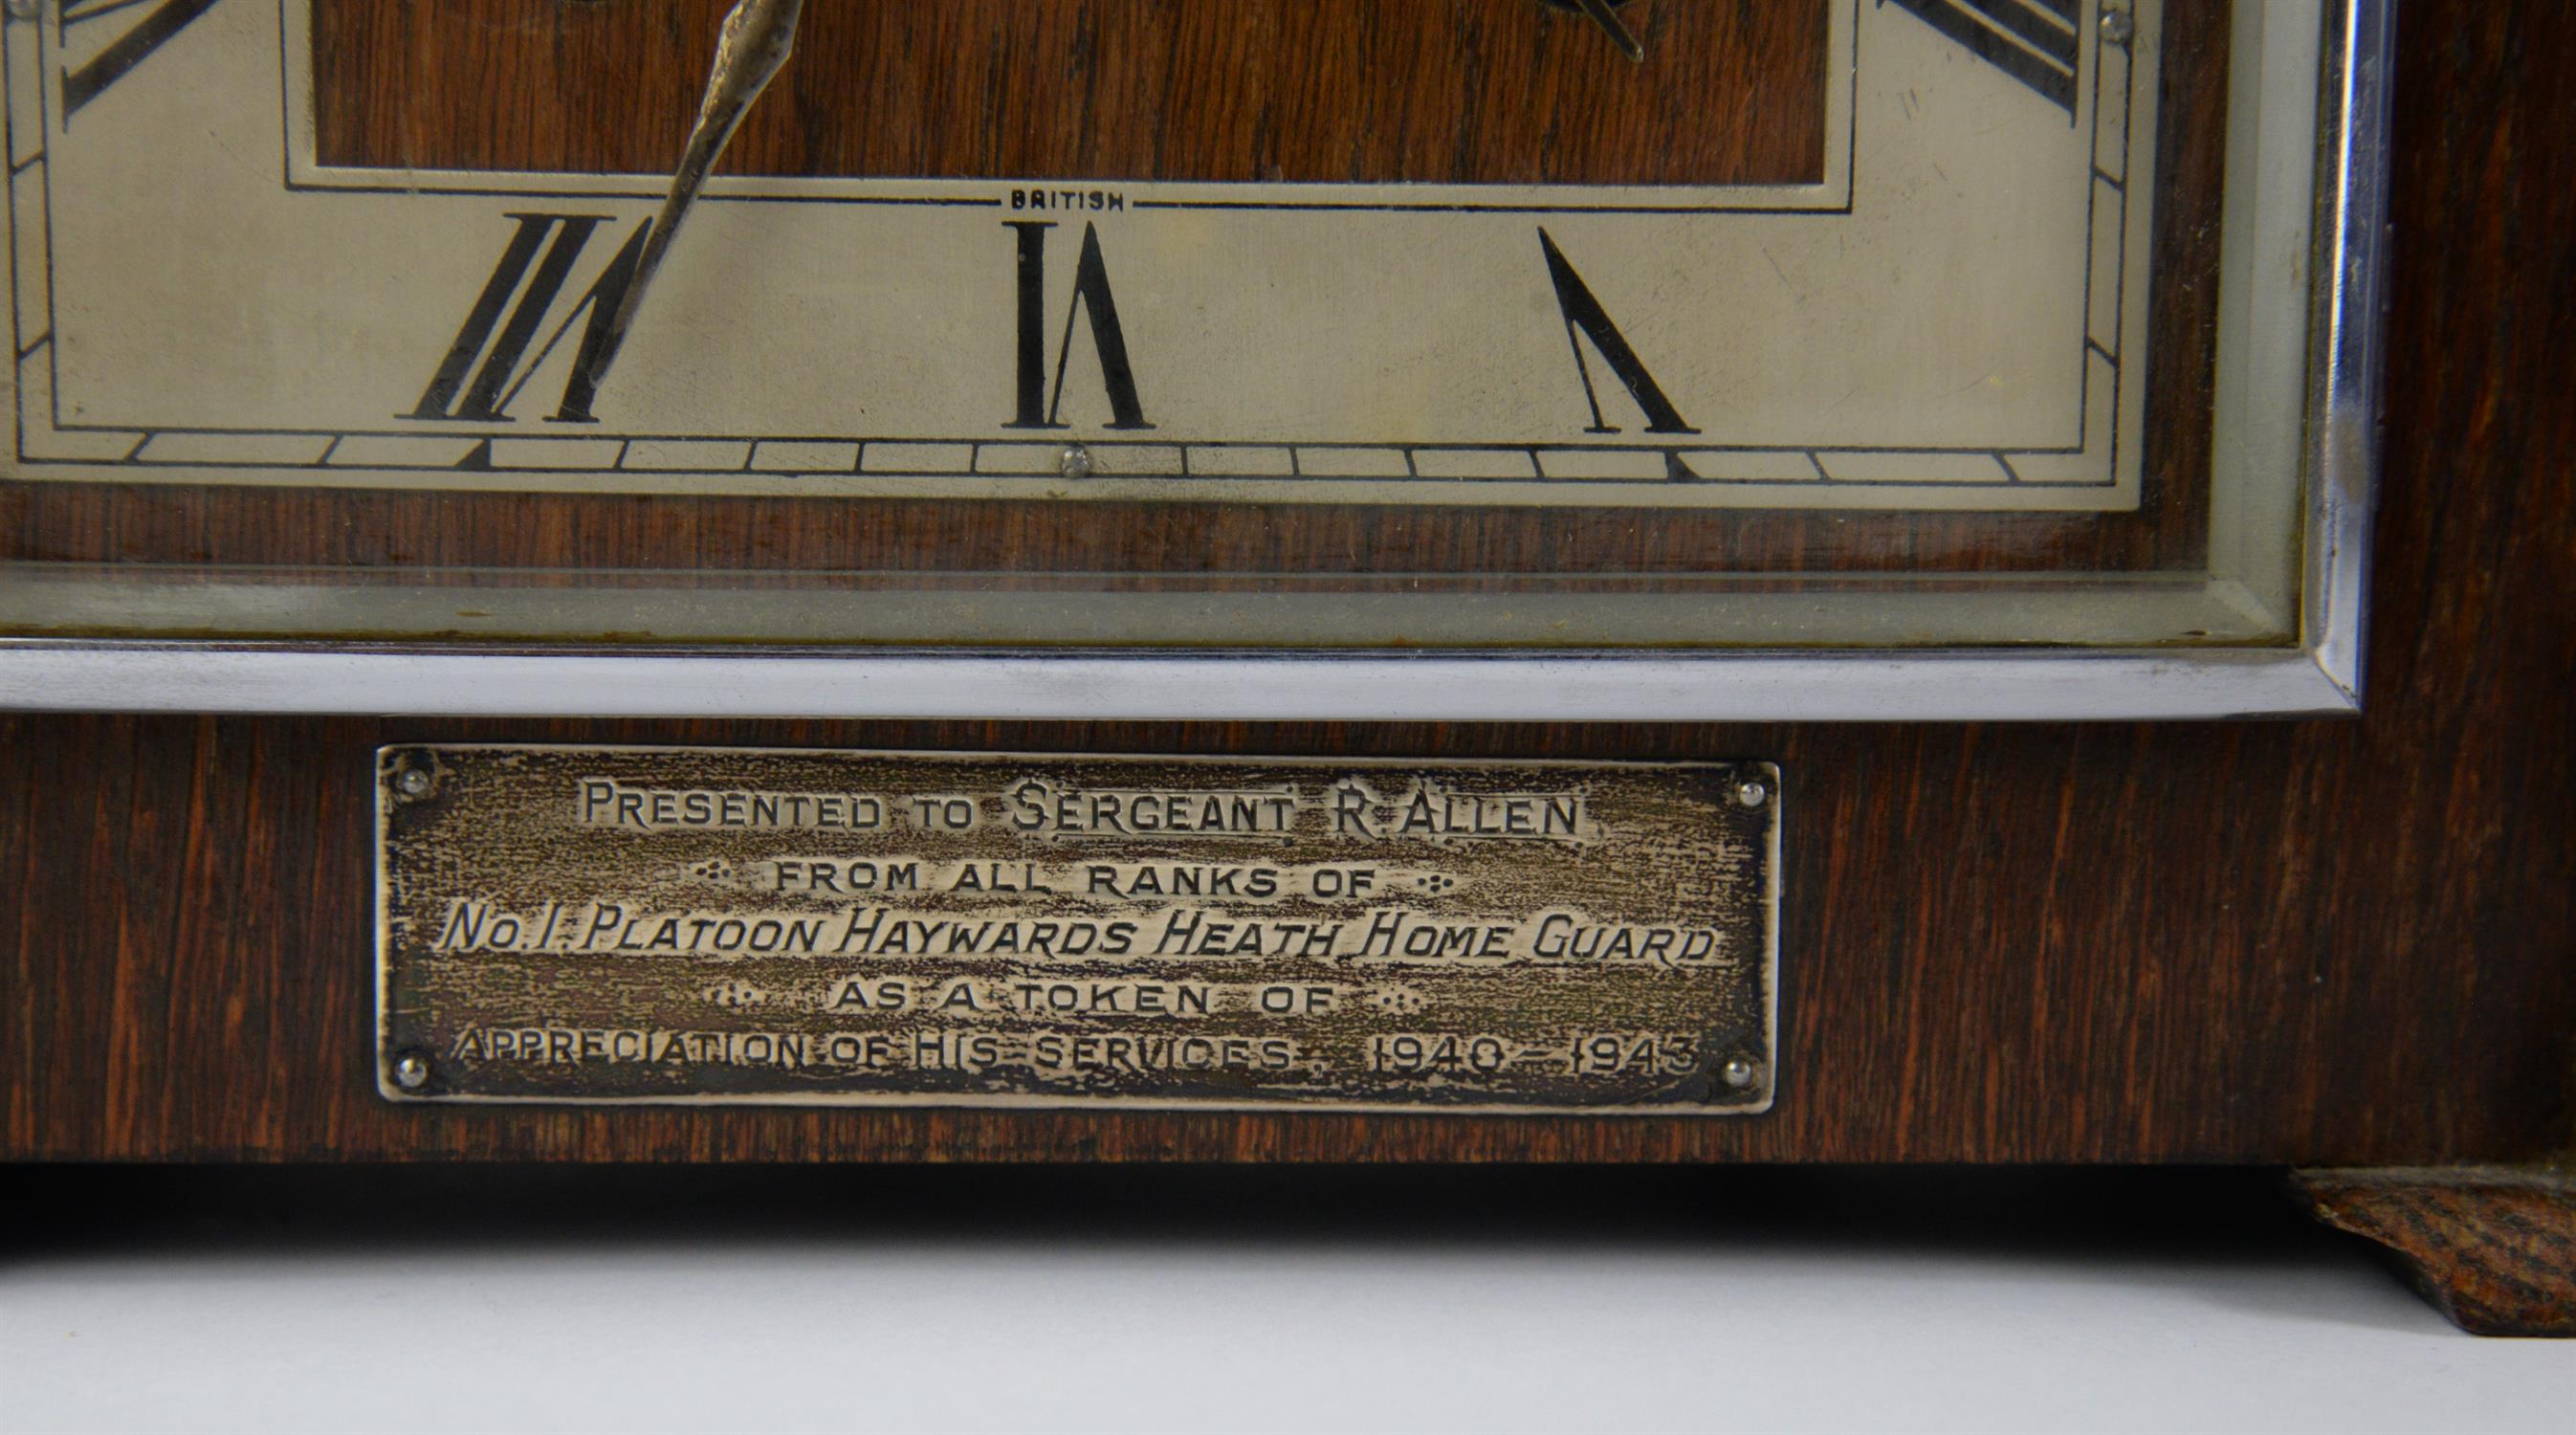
[294, 445]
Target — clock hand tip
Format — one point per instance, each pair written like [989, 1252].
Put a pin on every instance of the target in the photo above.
[1601, 14]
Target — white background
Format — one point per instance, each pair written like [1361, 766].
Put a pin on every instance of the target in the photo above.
[1094, 1299]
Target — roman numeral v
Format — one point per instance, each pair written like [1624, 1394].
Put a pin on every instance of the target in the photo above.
[514, 306]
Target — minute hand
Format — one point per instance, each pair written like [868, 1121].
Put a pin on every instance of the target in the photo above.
[757, 38]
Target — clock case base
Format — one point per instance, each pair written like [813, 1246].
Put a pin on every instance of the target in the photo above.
[2260, 943]
[2492, 1247]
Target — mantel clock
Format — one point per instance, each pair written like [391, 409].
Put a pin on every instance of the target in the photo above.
[840, 579]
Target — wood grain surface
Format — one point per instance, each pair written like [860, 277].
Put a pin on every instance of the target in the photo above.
[2330, 942]
[1456, 91]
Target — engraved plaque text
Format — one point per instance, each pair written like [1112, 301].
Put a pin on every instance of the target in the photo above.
[596, 924]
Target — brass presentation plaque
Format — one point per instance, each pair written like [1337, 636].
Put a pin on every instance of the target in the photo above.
[688, 924]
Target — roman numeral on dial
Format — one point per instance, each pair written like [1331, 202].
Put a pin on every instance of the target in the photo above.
[156, 28]
[1586, 319]
[2034, 41]
[1038, 408]
[514, 306]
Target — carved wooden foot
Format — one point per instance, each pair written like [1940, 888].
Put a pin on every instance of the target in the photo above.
[2493, 1246]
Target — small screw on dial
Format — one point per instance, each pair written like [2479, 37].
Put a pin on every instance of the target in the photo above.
[1074, 462]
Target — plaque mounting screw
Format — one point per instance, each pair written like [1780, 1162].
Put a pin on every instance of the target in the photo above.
[1075, 461]
[2118, 25]
[1752, 792]
[411, 1071]
[1741, 1072]
[411, 782]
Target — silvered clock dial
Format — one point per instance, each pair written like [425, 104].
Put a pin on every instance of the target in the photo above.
[1517, 323]
[1917, 297]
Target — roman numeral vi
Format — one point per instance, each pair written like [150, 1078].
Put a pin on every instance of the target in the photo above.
[1038, 407]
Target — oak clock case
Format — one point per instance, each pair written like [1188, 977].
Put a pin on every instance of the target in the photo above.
[1835, 359]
